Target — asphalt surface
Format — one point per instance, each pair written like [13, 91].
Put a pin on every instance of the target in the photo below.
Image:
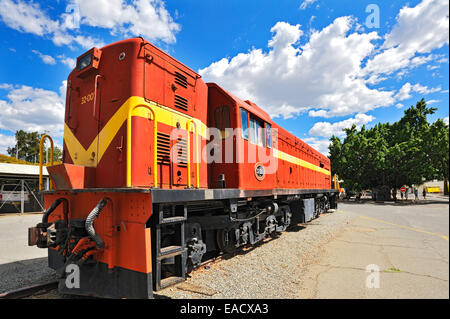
[20, 265]
[407, 246]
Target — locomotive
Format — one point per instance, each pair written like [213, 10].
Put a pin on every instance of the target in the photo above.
[161, 170]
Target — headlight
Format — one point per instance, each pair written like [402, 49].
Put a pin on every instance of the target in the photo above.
[84, 61]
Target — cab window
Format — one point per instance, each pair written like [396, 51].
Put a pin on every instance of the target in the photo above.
[268, 135]
[222, 118]
[244, 124]
[256, 131]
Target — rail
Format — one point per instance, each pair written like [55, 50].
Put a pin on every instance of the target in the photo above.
[41, 153]
[189, 153]
[155, 144]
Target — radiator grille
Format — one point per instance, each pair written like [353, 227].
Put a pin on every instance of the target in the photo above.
[181, 103]
[163, 148]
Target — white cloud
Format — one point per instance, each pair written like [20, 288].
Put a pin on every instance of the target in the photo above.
[432, 67]
[32, 109]
[326, 129]
[445, 120]
[433, 101]
[287, 80]
[47, 59]
[70, 62]
[148, 18]
[399, 105]
[318, 144]
[306, 3]
[405, 91]
[418, 30]
[5, 86]
[26, 17]
[5, 142]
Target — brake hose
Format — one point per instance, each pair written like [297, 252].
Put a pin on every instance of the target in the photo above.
[89, 225]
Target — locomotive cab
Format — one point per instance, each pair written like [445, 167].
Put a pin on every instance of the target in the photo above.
[246, 139]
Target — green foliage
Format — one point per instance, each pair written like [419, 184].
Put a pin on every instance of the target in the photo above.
[27, 148]
[12, 160]
[406, 152]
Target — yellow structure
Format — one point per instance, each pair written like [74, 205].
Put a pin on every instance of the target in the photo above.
[41, 153]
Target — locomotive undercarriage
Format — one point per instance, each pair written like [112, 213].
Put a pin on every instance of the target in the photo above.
[199, 231]
[184, 230]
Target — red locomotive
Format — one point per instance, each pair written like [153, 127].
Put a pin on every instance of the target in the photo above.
[160, 169]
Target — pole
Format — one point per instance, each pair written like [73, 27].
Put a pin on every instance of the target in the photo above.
[22, 198]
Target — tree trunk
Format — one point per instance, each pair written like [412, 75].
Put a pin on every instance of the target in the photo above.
[445, 186]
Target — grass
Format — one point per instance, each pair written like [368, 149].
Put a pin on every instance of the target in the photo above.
[13, 160]
[393, 269]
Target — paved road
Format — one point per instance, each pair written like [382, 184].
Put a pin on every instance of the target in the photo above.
[408, 244]
[20, 265]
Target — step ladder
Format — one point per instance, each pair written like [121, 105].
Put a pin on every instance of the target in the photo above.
[169, 256]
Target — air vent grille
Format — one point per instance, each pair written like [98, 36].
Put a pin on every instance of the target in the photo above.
[181, 103]
[163, 149]
[181, 80]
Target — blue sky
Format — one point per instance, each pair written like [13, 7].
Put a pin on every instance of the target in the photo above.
[315, 65]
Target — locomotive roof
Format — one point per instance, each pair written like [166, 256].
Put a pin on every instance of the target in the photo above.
[248, 105]
[164, 55]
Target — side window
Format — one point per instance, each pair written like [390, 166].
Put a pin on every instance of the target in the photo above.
[268, 135]
[256, 131]
[222, 118]
[244, 124]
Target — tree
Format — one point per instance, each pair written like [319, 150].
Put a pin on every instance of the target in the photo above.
[27, 147]
[406, 152]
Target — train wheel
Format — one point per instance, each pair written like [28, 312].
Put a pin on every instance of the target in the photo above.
[226, 240]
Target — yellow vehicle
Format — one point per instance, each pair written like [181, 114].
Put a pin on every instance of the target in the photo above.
[432, 189]
[336, 186]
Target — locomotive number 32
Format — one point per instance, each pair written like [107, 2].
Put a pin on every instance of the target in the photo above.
[87, 98]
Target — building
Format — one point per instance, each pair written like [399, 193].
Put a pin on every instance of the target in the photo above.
[23, 179]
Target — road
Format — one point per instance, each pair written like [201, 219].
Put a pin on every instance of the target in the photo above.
[408, 244]
[20, 265]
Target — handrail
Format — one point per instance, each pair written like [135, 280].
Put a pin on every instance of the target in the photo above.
[189, 153]
[41, 146]
[155, 144]
[94, 109]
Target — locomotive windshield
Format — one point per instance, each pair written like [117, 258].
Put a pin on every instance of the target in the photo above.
[84, 61]
[244, 123]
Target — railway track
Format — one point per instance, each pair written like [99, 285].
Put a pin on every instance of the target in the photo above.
[30, 291]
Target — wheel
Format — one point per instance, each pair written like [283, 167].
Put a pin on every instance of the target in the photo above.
[226, 240]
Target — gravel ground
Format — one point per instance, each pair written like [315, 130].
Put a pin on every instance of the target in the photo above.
[270, 270]
[25, 273]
